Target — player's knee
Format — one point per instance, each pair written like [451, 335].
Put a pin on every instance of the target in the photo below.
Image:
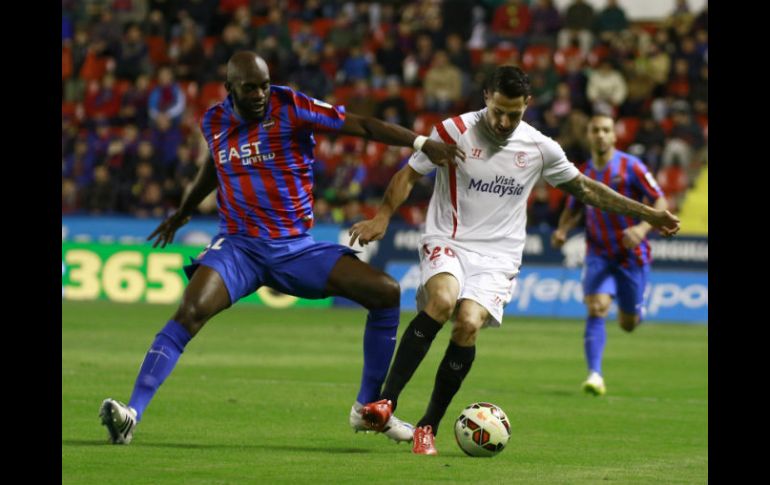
[192, 316]
[628, 322]
[597, 308]
[388, 294]
[464, 332]
[440, 306]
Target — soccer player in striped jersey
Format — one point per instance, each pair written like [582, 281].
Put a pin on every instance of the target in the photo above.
[471, 249]
[617, 251]
[261, 144]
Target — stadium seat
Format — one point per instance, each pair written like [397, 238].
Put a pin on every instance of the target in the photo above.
[208, 43]
[158, 50]
[213, 92]
[532, 53]
[424, 123]
[506, 55]
[597, 54]
[561, 56]
[625, 129]
[476, 56]
[413, 97]
[342, 93]
[322, 26]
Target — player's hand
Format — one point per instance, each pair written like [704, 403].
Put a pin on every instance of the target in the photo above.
[443, 154]
[368, 231]
[167, 229]
[665, 222]
[633, 236]
[558, 238]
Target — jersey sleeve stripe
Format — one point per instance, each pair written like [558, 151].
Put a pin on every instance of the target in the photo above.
[444, 134]
[651, 191]
[458, 121]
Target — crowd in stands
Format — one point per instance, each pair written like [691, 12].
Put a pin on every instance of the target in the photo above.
[138, 74]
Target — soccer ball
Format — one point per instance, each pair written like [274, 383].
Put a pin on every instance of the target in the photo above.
[482, 429]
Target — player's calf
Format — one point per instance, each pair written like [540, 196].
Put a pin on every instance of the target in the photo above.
[628, 322]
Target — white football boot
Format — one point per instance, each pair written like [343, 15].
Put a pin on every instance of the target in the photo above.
[394, 429]
[595, 384]
[119, 419]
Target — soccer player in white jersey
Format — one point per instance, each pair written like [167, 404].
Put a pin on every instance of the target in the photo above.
[471, 249]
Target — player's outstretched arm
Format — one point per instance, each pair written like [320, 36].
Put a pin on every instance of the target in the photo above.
[634, 235]
[398, 190]
[568, 219]
[204, 183]
[373, 129]
[599, 195]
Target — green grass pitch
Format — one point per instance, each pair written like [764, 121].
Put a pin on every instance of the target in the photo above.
[262, 396]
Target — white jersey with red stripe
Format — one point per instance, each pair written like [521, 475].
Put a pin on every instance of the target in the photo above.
[481, 204]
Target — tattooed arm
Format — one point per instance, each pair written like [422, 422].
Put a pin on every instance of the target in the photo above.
[599, 195]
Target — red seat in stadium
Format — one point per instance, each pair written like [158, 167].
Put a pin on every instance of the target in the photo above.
[322, 26]
[157, 49]
[532, 53]
[342, 93]
[413, 98]
[424, 123]
[476, 56]
[208, 44]
[597, 54]
[505, 55]
[213, 92]
[561, 56]
[625, 129]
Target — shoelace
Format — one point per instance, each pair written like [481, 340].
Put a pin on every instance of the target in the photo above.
[425, 440]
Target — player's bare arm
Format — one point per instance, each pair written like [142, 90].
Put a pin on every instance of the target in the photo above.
[204, 183]
[398, 190]
[568, 219]
[599, 195]
[391, 134]
[634, 235]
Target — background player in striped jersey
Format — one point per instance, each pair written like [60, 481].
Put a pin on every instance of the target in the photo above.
[261, 143]
[474, 237]
[617, 251]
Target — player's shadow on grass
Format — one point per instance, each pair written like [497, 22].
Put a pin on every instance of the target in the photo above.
[198, 446]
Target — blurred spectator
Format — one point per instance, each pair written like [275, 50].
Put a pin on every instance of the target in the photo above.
[378, 177]
[189, 58]
[684, 126]
[344, 34]
[100, 196]
[393, 108]
[347, 178]
[458, 54]
[135, 101]
[681, 18]
[351, 212]
[390, 56]
[562, 103]
[102, 99]
[167, 97]
[648, 143]
[275, 27]
[573, 137]
[577, 81]
[233, 40]
[361, 101]
[540, 213]
[130, 193]
[543, 79]
[322, 212]
[69, 197]
[640, 86]
[442, 85]
[150, 202]
[679, 84]
[578, 25]
[510, 23]
[107, 31]
[416, 65]
[356, 66]
[78, 166]
[611, 21]
[133, 58]
[166, 138]
[658, 66]
[309, 77]
[306, 38]
[545, 24]
[606, 89]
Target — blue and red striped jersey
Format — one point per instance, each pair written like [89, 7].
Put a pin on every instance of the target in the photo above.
[265, 168]
[628, 176]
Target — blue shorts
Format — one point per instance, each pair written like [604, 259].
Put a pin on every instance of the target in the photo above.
[601, 275]
[296, 265]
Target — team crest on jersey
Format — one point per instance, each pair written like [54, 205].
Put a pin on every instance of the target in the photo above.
[267, 124]
[475, 153]
[520, 158]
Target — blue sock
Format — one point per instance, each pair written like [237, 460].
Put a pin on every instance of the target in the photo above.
[160, 360]
[379, 345]
[593, 342]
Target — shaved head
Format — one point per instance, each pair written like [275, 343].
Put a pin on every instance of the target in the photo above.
[245, 63]
[248, 82]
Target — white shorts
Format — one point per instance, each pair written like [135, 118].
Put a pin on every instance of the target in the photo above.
[481, 277]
